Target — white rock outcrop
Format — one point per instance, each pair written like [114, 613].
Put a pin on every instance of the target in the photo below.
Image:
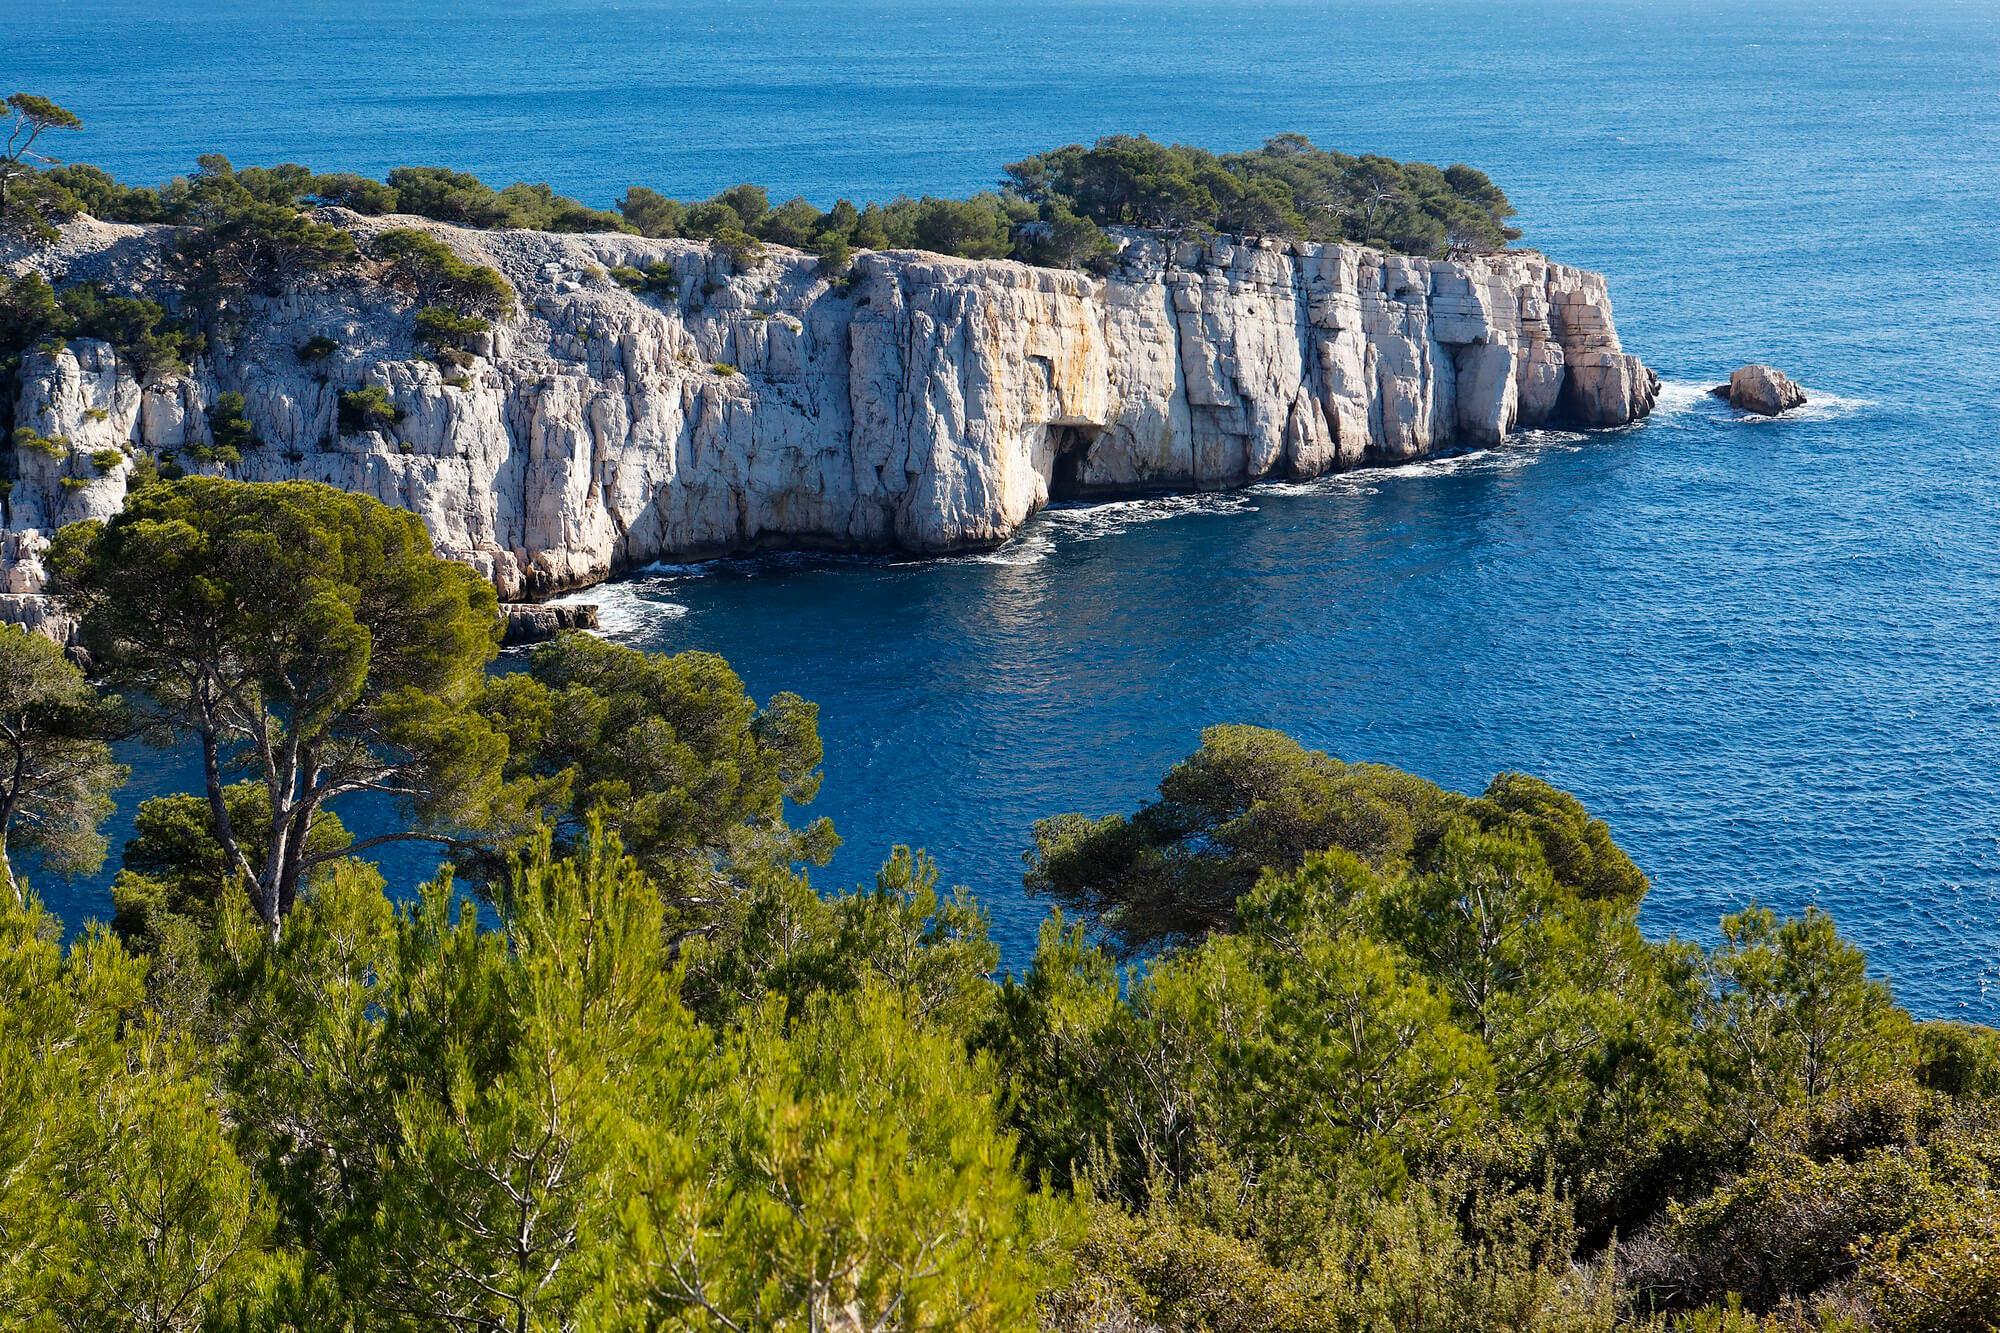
[1763, 390]
[926, 403]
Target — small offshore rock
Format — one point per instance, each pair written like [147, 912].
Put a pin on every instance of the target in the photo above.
[1764, 390]
[531, 623]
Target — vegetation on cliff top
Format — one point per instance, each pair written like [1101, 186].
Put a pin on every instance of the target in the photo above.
[1389, 1057]
[1051, 208]
[258, 229]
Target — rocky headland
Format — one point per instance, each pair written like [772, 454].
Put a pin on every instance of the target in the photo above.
[916, 403]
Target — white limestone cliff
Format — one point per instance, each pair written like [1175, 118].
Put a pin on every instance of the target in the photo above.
[927, 404]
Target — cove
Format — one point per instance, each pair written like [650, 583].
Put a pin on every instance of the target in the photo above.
[1766, 653]
[1686, 622]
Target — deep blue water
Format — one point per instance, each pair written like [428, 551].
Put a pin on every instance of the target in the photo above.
[1766, 653]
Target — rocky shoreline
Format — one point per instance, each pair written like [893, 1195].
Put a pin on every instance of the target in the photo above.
[918, 403]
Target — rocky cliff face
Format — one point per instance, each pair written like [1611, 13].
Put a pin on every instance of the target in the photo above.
[927, 404]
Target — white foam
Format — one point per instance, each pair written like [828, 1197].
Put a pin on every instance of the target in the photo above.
[1030, 546]
[667, 569]
[1678, 396]
[1091, 522]
[1821, 406]
[1519, 452]
[624, 608]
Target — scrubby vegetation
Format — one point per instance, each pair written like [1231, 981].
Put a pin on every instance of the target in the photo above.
[368, 408]
[257, 229]
[1053, 208]
[1309, 1045]
[33, 315]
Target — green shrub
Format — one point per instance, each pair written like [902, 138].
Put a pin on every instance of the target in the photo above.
[1063, 239]
[107, 460]
[220, 455]
[246, 229]
[441, 327]
[651, 213]
[97, 413]
[448, 196]
[743, 250]
[723, 368]
[1962, 1059]
[433, 272]
[834, 254]
[316, 348]
[229, 425]
[138, 329]
[75, 483]
[658, 277]
[103, 197]
[539, 208]
[34, 314]
[1289, 187]
[347, 190]
[33, 441]
[368, 408]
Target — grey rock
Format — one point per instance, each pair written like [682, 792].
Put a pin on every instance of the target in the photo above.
[528, 622]
[1761, 389]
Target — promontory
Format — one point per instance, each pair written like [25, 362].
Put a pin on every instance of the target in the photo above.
[633, 399]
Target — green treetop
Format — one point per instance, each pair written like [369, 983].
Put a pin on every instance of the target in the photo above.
[56, 772]
[307, 635]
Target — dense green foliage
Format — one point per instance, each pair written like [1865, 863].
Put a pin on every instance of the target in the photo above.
[255, 224]
[34, 315]
[696, 775]
[56, 772]
[1390, 1057]
[307, 634]
[433, 273]
[1288, 187]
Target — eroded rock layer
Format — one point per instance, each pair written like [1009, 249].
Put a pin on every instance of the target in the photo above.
[925, 403]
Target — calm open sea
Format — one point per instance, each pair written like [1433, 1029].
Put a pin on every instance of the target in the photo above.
[1767, 653]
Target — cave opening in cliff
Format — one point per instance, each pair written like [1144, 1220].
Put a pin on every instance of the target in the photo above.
[1072, 449]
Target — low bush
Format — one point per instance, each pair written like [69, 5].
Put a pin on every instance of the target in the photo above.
[229, 425]
[29, 440]
[659, 278]
[368, 408]
[442, 327]
[432, 271]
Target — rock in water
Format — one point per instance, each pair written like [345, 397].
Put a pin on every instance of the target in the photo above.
[530, 623]
[1765, 390]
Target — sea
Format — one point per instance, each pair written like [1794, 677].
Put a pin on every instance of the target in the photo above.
[1767, 652]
